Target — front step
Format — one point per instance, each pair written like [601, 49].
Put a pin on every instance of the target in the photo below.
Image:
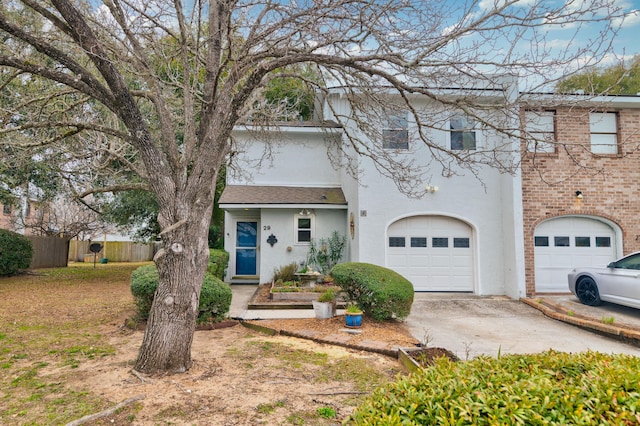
[245, 279]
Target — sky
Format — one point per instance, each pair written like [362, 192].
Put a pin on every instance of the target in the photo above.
[628, 40]
[572, 36]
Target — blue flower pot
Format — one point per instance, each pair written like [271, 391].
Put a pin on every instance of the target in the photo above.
[353, 320]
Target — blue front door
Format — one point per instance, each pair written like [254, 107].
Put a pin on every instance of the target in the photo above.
[246, 248]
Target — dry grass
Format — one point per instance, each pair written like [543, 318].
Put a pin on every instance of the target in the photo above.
[64, 355]
[56, 319]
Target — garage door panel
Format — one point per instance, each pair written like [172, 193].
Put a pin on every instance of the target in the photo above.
[560, 259]
[440, 260]
[398, 260]
[430, 259]
[461, 261]
[418, 260]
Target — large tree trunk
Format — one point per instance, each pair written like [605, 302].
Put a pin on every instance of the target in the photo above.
[181, 262]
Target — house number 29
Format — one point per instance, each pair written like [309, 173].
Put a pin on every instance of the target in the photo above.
[266, 227]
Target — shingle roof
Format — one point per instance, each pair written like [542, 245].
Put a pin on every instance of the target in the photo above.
[244, 194]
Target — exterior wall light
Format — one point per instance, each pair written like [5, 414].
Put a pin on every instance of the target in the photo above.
[431, 188]
[579, 194]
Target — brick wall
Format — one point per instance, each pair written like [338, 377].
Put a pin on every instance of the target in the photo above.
[610, 183]
[6, 220]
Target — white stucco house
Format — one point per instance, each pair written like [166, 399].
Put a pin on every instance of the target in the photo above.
[464, 234]
[565, 197]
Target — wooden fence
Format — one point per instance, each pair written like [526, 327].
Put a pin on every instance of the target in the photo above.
[49, 252]
[113, 251]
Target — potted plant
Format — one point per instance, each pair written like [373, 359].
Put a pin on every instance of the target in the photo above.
[325, 306]
[353, 315]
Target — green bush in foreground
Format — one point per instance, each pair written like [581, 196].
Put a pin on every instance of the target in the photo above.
[380, 292]
[15, 252]
[215, 296]
[549, 388]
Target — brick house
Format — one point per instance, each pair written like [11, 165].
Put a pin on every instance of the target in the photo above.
[513, 234]
[13, 216]
[579, 198]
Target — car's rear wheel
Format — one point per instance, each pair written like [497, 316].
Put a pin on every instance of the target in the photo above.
[587, 292]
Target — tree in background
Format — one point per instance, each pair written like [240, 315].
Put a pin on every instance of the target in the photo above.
[619, 79]
[135, 95]
[65, 218]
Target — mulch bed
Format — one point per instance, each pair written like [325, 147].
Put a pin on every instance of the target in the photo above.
[427, 356]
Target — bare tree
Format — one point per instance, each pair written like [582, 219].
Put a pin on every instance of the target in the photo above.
[65, 217]
[147, 93]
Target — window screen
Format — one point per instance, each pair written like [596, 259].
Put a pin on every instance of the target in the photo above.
[540, 126]
[604, 132]
[396, 134]
[463, 137]
[303, 231]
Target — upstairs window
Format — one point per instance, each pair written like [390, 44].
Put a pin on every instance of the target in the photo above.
[541, 131]
[463, 135]
[304, 229]
[6, 209]
[604, 132]
[396, 134]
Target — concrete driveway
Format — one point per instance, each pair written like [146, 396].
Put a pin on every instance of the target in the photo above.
[471, 325]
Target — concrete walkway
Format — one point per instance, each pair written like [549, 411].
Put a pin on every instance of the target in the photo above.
[470, 325]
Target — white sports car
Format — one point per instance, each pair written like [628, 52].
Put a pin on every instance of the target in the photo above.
[618, 283]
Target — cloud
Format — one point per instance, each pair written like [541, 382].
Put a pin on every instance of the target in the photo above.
[631, 19]
[491, 4]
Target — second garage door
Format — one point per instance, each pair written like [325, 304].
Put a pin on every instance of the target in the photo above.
[435, 253]
[564, 243]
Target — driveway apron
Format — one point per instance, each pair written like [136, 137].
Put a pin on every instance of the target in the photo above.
[470, 325]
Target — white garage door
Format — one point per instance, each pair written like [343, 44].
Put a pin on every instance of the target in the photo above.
[433, 252]
[564, 243]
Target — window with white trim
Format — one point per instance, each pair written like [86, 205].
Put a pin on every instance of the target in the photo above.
[304, 229]
[541, 131]
[396, 133]
[604, 132]
[463, 134]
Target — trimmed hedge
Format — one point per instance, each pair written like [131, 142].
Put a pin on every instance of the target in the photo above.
[16, 252]
[380, 292]
[215, 296]
[218, 262]
[551, 388]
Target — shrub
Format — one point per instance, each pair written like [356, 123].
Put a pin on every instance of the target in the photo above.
[215, 296]
[218, 262]
[380, 292]
[215, 299]
[286, 272]
[546, 388]
[329, 295]
[15, 252]
[144, 281]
